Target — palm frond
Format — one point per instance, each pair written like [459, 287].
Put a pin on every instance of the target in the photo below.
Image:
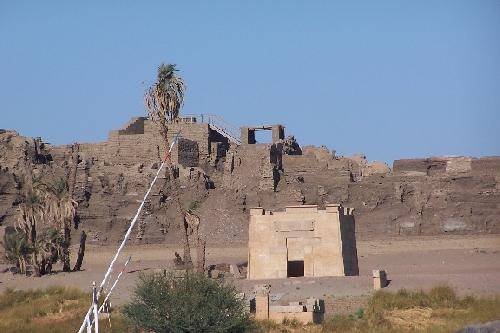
[164, 99]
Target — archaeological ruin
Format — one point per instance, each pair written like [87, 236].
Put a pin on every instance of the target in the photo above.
[227, 173]
[309, 311]
[302, 241]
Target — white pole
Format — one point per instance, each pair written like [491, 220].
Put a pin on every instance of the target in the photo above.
[127, 234]
[96, 312]
[101, 308]
[89, 325]
[114, 285]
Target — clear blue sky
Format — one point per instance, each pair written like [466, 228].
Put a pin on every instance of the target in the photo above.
[390, 79]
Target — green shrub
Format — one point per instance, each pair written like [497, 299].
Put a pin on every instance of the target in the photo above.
[17, 249]
[193, 303]
[359, 313]
[193, 205]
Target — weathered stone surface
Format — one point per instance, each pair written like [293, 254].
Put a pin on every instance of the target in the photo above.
[430, 196]
[302, 241]
[379, 279]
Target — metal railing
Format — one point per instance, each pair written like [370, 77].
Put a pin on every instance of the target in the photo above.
[218, 124]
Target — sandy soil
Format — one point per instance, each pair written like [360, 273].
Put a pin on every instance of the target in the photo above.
[470, 264]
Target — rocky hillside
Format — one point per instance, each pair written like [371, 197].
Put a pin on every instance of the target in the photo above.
[221, 181]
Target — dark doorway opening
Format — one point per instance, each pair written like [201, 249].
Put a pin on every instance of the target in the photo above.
[295, 268]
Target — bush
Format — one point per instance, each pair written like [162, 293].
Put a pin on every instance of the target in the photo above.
[193, 205]
[193, 303]
[17, 249]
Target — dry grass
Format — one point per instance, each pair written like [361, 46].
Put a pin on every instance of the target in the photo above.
[438, 311]
[55, 309]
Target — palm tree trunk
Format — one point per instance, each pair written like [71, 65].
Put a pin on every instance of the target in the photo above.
[48, 266]
[36, 265]
[81, 252]
[200, 260]
[74, 168]
[187, 249]
[22, 265]
[65, 249]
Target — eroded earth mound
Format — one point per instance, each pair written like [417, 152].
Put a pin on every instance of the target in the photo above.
[220, 178]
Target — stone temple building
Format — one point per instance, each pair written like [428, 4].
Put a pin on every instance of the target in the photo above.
[302, 241]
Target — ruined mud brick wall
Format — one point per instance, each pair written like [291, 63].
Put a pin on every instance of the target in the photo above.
[111, 176]
[429, 196]
[123, 166]
[140, 142]
[16, 154]
[319, 241]
[252, 167]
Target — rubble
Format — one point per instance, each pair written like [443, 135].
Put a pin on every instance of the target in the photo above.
[310, 311]
[429, 196]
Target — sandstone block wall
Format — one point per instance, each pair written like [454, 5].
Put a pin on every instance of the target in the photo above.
[301, 241]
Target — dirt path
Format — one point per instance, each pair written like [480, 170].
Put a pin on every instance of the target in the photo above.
[470, 264]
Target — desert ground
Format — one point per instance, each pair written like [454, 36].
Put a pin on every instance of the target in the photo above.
[469, 264]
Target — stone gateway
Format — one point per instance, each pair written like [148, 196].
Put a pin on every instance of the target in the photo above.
[302, 241]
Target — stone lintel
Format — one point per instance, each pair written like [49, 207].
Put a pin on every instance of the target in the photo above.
[301, 209]
[286, 308]
[333, 208]
[257, 211]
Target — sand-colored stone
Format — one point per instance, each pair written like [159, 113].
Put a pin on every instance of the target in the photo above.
[379, 279]
[323, 241]
[311, 312]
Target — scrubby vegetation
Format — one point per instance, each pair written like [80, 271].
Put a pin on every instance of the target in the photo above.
[192, 303]
[42, 234]
[197, 304]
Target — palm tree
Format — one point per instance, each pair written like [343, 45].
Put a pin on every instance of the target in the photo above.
[62, 211]
[32, 217]
[45, 218]
[164, 99]
[17, 249]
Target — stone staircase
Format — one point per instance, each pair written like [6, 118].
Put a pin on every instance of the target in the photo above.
[225, 133]
[218, 124]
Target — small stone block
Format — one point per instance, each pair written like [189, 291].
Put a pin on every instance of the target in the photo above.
[234, 270]
[286, 308]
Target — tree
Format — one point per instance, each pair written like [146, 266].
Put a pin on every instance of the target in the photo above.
[44, 227]
[31, 220]
[192, 303]
[81, 252]
[17, 249]
[62, 210]
[163, 100]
